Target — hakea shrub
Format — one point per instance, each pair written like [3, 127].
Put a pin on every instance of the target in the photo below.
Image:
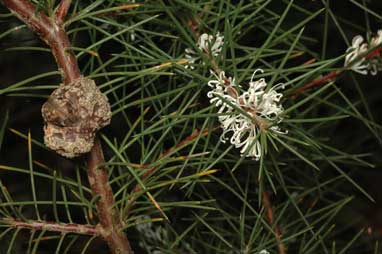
[166, 183]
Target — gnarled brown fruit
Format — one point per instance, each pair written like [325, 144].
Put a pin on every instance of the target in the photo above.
[73, 114]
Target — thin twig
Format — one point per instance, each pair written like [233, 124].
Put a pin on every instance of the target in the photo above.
[52, 226]
[316, 82]
[269, 210]
[62, 11]
[117, 10]
[52, 32]
[150, 169]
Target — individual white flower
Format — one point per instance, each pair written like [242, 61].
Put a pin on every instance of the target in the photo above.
[264, 252]
[246, 114]
[208, 44]
[357, 58]
[357, 49]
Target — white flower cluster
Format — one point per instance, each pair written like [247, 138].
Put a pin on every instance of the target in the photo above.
[209, 44]
[248, 113]
[357, 58]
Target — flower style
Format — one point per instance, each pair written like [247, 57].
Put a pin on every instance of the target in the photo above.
[246, 115]
[208, 44]
[357, 59]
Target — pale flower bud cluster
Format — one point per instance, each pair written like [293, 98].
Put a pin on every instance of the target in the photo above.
[264, 251]
[357, 58]
[247, 114]
[153, 237]
[209, 44]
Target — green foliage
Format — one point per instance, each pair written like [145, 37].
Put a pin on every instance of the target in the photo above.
[201, 192]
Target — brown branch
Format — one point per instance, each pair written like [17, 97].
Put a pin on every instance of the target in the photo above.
[52, 32]
[316, 82]
[185, 141]
[117, 10]
[52, 226]
[150, 169]
[62, 11]
[108, 215]
[269, 210]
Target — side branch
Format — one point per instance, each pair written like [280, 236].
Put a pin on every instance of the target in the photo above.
[52, 226]
[62, 11]
[317, 82]
[151, 169]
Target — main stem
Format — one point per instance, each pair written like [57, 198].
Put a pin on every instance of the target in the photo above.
[112, 227]
[52, 32]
